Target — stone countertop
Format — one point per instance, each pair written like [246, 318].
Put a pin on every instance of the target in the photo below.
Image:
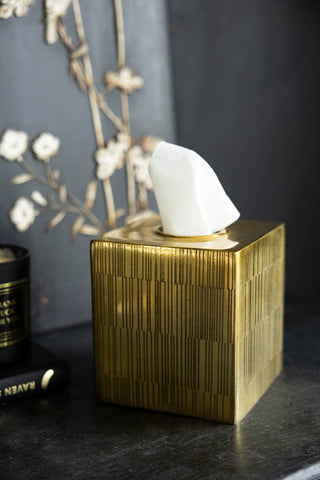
[70, 435]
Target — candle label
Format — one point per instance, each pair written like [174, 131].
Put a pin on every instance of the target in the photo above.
[14, 312]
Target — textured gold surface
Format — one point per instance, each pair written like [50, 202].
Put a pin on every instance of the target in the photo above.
[189, 328]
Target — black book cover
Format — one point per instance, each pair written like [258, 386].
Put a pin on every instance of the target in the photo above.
[42, 371]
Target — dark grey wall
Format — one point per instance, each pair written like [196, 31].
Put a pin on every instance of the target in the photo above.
[247, 86]
[247, 78]
[36, 94]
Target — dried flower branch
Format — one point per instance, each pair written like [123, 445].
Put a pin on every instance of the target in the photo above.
[12, 145]
[110, 156]
[17, 7]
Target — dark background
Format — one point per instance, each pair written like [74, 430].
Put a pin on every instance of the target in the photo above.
[246, 82]
[36, 94]
[247, 91]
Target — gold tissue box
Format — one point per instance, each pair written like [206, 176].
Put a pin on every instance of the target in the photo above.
[192, 326]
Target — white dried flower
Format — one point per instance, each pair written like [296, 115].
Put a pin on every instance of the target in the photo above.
[124, 141]
[23, 214]
[123, 79]
[38, 198]
[140, 162]
[103, 172]
[112, 157]
[17, 7]
[13, 145]
[45, 146]
[141, 172]
[108, 161]
[135, 155]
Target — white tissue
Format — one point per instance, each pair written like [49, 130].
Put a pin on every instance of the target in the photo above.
[190, 198]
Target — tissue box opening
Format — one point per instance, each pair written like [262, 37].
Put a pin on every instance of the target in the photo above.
[185, 327]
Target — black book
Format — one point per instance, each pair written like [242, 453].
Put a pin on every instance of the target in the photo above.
[40, 372]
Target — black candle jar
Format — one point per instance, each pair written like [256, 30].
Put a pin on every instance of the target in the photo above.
[14, 303]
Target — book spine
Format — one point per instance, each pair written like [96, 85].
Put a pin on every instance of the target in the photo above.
[52, 378]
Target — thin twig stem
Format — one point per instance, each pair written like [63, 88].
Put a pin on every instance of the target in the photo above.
[125, 111]
[48, 172]
[89, 76]
[53, 185]
[104, 107]
[57, 208]
[120, 34]
[143, 196]
[131, 188]
[109, 203]
[94, 108]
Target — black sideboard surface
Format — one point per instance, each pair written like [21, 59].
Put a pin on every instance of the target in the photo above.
[70, 435]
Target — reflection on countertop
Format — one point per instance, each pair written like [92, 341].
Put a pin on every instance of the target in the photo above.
[72, 436]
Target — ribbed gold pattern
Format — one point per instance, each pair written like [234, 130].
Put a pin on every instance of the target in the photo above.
[194, 331]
